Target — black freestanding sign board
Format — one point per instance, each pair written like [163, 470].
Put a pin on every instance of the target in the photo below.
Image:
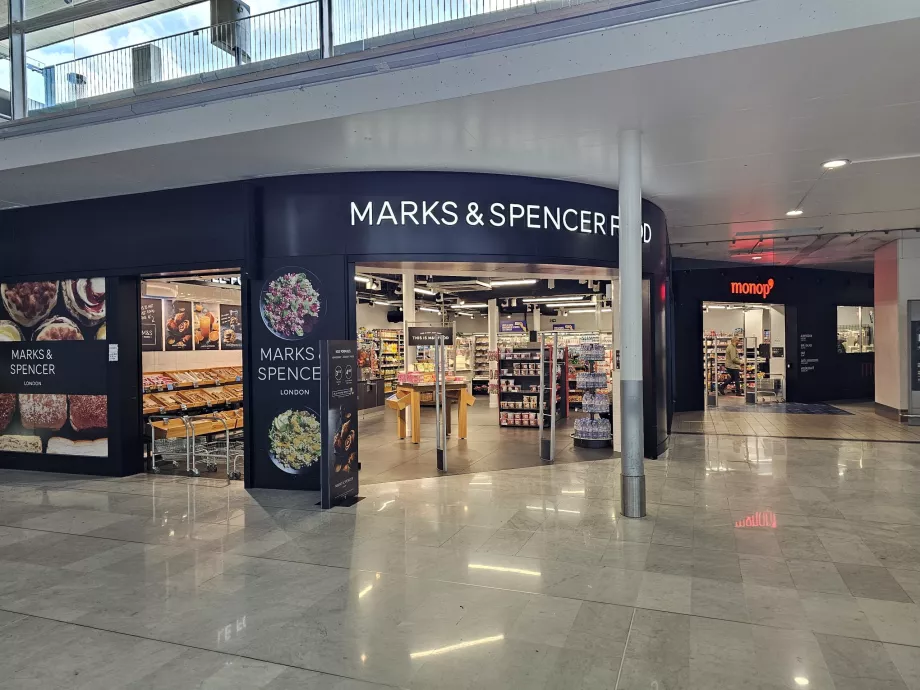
[298, 305]
[151, 324]
[339, 470]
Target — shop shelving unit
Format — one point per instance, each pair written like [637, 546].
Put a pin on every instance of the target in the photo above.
[594, 381]
[480, 344]
[526, 381]
[390, 355]
[714, 345]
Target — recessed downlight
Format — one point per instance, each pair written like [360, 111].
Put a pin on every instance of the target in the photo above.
[795, 212]
[836, 163]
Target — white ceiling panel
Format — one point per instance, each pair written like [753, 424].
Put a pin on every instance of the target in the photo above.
[732, 141]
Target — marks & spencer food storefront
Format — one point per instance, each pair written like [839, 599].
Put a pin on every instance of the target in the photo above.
[74, 322]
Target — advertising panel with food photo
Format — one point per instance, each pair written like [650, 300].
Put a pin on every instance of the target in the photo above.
[231, 327]
[178, 331]
[291, 303]
[340, 471]
[299, 307]
[206, 326]
[53, 393]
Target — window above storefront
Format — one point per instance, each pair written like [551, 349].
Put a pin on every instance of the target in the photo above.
[855, 329]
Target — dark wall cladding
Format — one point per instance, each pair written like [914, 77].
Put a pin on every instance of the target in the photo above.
[811, 297]
[193, 227]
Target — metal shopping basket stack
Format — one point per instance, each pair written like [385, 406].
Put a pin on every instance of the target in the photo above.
[196, 439]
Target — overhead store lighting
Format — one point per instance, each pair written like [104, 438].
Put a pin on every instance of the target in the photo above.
[756, 257]
[487, 286]
[423, 291]
[523, 281]
[572, 304]
[433, 311]
[476, 305]
[836, 163]
[382, 301]
[587, 311]
[546, 300]
[795, 212]
[363, 279]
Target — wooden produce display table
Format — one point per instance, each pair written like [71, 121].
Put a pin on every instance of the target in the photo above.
[408, 399]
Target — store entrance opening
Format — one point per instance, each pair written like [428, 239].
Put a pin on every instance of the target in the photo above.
[741, 363]
[192, 357]
[497, 318]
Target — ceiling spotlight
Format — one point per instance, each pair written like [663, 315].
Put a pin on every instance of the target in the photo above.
[795, 212]
[836, 163]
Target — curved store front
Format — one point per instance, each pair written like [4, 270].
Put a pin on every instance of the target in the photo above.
[264, 335]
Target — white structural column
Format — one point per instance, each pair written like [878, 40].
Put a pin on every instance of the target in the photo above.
[408, 306]
[493, 347]
[632, 485]
[18, 85]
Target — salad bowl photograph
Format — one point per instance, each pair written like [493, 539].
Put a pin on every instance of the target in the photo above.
[295, 441]
[291, 304]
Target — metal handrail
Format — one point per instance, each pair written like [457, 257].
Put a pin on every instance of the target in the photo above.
[288, 31]
[222, 27]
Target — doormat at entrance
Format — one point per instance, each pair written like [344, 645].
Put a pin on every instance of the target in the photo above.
[782, 408]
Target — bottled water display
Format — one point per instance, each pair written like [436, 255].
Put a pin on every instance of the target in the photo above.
[592, 429]
[591, 351]
[595, 402]
[586, 379]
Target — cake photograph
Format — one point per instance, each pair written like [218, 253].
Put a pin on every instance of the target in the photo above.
[33, 314]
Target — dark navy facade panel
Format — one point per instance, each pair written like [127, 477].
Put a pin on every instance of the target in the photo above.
[190, 228]
[811, 298]
[449, 216]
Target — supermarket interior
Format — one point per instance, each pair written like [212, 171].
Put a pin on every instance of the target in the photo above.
[497, 326]
[752, 328]
[192, 342]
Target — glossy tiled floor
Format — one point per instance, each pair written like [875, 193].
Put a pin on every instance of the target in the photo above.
[764, 563]
[731, 418]
[488, 447]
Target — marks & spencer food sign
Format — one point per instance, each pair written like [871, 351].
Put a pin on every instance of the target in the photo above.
[494, 215]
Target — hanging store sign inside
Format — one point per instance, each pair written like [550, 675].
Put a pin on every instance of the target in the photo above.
[427, 335]
[494, 215]
[512, 327]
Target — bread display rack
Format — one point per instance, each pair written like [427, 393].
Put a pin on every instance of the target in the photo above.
[189, 389]
[210, 433]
